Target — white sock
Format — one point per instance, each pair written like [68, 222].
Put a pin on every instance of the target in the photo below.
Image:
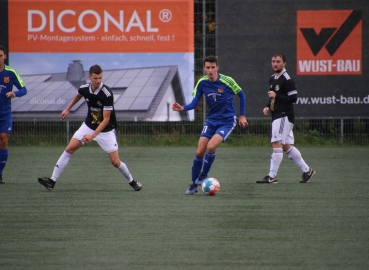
[61, 165]
[295, 155]
[275, 161]
[123, 169]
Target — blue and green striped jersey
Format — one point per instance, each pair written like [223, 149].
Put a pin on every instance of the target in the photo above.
[219, 97]
[9, 78]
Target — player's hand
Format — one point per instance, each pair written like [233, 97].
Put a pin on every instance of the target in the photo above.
[265, 111]
[242, 121]
[10, 94]
[177, 107]
[87, 138]
[64, 114]
[272, 94]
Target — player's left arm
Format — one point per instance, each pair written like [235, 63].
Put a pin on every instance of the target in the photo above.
[291, 91]
[242, 121]
[237, 90]
[21, 92]
[18, 82]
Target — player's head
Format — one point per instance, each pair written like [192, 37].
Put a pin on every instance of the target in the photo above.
[2, 48]
[2, 56]
[278, 62]
[211, 67]
[95, 76]
[95, 69]
[281, 55]
[210, 59]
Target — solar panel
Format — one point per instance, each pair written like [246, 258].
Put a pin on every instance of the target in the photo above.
[134, 90]
[141, 103]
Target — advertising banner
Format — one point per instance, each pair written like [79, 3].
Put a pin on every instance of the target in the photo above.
[101, 26]
[329, 42]
[326, 48]
[145, 48]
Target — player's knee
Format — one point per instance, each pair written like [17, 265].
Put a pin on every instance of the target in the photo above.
[115, 163]
[277, 144]
[3, 145]
[286, 147]
[3, 142]
[200, 153]
[73, 146]
[211, 147]
[70, 150]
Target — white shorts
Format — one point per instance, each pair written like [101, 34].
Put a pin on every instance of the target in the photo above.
[106, 140]
[282, 131]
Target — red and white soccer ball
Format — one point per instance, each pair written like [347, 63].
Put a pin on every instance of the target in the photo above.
[210, 186]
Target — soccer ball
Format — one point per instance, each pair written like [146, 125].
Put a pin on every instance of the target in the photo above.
[210, 186]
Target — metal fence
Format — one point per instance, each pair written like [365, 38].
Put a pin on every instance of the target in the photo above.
[307, 131]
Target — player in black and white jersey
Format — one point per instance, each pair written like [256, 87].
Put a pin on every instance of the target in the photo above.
[282, 96]
[99, 125]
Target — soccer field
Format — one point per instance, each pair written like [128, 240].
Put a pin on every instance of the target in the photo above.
[94, 220]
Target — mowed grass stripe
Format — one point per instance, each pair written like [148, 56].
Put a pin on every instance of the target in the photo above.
[94, 220]
[187, 239]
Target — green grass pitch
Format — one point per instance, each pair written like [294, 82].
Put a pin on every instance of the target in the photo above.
[94, 220]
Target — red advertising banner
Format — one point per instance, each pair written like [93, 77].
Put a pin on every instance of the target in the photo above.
[329, 42]
[101, 26]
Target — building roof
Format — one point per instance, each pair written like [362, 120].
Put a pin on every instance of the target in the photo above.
[137, 92]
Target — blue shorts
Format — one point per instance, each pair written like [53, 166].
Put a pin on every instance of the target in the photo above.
[224, 129]
[6, 124]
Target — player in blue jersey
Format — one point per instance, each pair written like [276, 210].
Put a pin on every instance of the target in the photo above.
[99, 125]
[8, 78]
[282, 95]
[218, 89]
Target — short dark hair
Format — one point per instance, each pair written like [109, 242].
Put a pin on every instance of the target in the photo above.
[281, 55]
[96, 69]
[210, 59]
[2, 48]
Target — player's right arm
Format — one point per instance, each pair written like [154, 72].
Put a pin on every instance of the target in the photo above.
[66, 111]
[177, 107]
[106, 118]
[197, 93]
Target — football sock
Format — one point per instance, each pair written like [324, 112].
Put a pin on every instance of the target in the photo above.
[3, 159]
[196, 167]
[275, 161]
[123, 169]
[61, 165]
[295, 155]
[209, 159]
